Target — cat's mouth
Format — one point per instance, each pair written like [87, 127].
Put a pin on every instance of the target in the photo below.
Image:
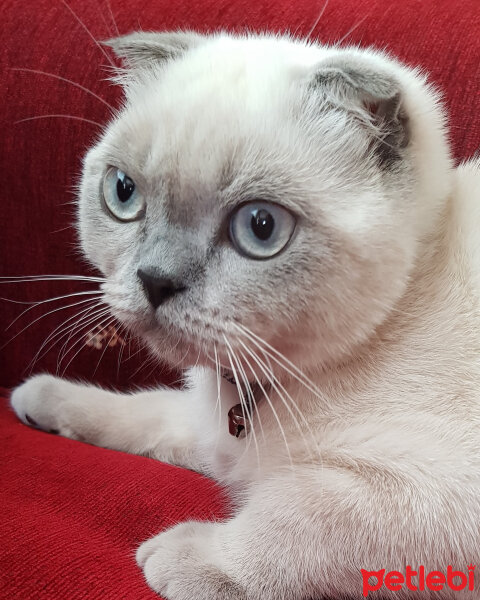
[184, 337]
[183, 342]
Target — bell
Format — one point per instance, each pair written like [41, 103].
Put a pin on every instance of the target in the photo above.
[237, 421]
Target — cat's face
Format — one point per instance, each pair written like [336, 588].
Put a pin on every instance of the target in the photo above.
[244, 185]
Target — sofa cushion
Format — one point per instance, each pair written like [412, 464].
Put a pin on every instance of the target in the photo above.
[72, 514]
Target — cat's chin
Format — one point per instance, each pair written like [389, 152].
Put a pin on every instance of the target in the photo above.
[180, 353]
[180, 356]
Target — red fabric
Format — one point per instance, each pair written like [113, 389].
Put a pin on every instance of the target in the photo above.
[40, 160]
[73, 514]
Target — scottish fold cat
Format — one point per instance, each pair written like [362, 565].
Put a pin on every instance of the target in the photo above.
[283, 221]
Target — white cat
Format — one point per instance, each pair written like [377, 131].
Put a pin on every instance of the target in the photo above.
[286, 217]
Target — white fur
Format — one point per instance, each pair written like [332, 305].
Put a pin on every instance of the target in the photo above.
[377, 464]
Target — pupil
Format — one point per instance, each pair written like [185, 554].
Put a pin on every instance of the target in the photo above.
[262, 224]
[125, 187]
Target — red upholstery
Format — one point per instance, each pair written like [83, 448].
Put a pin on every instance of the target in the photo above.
[57, 495]
[41, 159]
[73, 514]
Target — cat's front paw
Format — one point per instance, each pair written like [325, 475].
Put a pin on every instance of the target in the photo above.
[184, 563]
[40, 403]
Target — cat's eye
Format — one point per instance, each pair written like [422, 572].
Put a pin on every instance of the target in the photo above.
[121, 196]
[261, 230]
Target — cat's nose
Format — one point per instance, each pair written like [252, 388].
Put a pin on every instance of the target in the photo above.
[158, 288]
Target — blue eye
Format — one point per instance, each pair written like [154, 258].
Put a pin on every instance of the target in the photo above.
[261, 230]
[121, 196]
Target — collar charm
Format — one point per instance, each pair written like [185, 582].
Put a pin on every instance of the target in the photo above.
[238, 422]
[239, 417]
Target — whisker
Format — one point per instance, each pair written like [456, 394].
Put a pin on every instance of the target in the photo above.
[153, 360]
[239, 391]
[272, 408]
[144, 365]
[43, 316]
[243, 404]
[58, 116]
[317, 21]
[84, 317]
[77, 18]
[218, 404]
[140, 348]
[152, 370]
[124, 333]
[104, 19]
[275, 384]
[30, 278]
[294, 371]
[107, 320]
[279, 385]
[262, 389]
[65, 80]
[109, 6]
[35, 304]
[183, 357]
[283, 394]
[84, 321]
[62, 329]
[350, 31]
[105, 349]
[252, 412]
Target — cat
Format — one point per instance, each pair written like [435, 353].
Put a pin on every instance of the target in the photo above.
[284, 222]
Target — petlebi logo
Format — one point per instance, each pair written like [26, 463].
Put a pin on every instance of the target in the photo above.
[419, 580]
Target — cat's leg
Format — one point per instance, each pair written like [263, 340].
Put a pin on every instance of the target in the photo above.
[309, 536]
[163, 424]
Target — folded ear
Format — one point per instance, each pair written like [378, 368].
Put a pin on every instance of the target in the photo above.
[373, 95]
[142, 49]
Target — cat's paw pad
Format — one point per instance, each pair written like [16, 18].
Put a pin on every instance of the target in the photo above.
[181, 563]
[37, 404]
[168, 541]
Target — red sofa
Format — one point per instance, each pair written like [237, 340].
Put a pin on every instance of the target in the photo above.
[72, 514]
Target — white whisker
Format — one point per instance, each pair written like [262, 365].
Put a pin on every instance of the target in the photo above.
[58, 116]
[109, 6]
[40, 302]
[107, 321]
[90, 34]
[317, 20]
[50, 312]
[30, 278]
[252, 412]
[269, 402]
[350, 31]
[125, 333]
[218, 404]
[237, 386]
[276, 388]
[78, 326]
[294, 371]
[107, 344]
[244, 405]
[62, 330]
[283, 394]
[64, 79]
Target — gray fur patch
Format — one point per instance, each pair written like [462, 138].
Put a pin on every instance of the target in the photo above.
[140, 48]
[375, 97]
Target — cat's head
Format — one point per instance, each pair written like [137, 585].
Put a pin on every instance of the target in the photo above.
[262, 185]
